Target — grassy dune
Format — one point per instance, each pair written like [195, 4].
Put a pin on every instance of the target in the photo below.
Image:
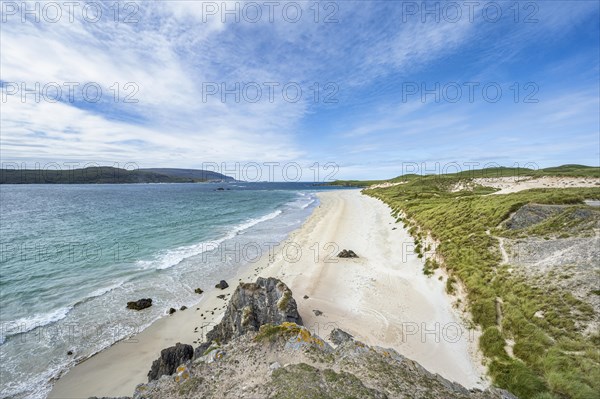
[552, 357]
[558, 171]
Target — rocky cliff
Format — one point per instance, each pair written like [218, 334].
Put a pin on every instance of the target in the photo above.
[261, 350]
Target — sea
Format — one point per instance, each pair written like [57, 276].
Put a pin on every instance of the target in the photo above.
[72, 256]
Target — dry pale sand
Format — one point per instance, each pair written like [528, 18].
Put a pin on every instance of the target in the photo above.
[515, 184]
[382, 298]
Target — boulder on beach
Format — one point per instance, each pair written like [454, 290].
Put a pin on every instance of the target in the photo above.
[183, 307]
[172, 310]
[222, 285]
[170, 358]
[140, 304]
[347, 253]
[198, 291]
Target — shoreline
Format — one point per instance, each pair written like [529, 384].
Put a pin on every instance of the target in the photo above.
[382, 298]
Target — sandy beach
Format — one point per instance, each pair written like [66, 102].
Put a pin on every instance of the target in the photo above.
[382, 298]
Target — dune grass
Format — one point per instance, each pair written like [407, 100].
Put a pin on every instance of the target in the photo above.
[558, 171]
[552, 357]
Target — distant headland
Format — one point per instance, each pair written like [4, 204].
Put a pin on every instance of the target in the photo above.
[109, 175]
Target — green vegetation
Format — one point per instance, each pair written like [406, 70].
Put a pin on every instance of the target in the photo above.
[284, 301]
[354, 183]
[430, 266]
[492, 343]
[450, 285]
[107, 175]
[271, 332]
[302, 381]
[558, 171]
[553, 357]
[574, 219]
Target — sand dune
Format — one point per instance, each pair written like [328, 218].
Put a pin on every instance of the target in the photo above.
[515, 184]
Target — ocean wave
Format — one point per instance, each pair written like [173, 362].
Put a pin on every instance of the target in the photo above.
[303, 200]
[173, 257]
[25, 324]
[100, 292]
[304, 206]
[254, 222]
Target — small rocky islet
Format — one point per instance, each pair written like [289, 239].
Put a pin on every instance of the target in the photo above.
[140, 304]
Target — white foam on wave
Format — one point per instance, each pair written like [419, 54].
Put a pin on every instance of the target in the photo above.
[254, 222]
[101, 291]
[25, 324]
[175, 256]
[304, 206]
[303, 201]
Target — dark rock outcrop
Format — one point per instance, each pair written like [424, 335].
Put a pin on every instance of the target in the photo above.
[140, 304]
[298, 364]
[267, 301]
[104, 397]
[183, 307]
[170, 359]
[531, 214]
[172, 310]
[338, 336]
[347, 253]
[198, 291]
[222, 285]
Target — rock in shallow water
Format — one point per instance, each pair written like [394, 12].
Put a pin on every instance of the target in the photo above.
[140, 304]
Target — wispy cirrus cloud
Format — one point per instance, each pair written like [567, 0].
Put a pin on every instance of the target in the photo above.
[177, 51]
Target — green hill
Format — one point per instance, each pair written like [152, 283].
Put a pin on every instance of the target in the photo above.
[108, 175]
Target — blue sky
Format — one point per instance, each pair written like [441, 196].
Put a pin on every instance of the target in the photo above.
[373, 59]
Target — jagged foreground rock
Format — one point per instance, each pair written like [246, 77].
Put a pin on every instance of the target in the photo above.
[169, 360]
[268, 300]
[260, 350]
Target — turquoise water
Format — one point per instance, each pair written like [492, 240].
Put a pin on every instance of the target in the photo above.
[73, 255]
